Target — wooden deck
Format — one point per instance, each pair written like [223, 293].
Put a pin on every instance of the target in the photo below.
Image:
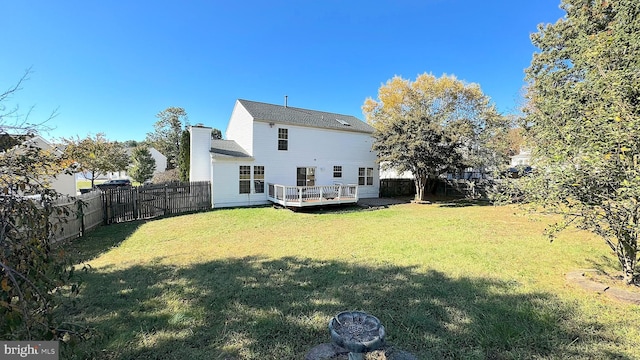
[303, 196]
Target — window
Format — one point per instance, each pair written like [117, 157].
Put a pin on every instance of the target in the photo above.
[365, 176]
[283, 139]
[245, 179]
[306, 176]
[337, 171]
[258, 179]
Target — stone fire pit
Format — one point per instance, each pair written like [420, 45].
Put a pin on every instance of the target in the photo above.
[356, 335]
[357, 332]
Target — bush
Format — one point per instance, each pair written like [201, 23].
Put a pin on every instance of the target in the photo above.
[33, 277]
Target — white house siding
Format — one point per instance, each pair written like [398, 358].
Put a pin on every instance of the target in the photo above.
[522, 158]
[200, 154]
[394, 174]
[63, 183]
[315, 147]
[161, 160]
[240, 128]
[226, 186]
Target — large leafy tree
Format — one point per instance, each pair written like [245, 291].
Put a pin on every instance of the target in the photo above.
[97, 155]
[167, 133]
[431, 126]
[584, 118]
[142, 164]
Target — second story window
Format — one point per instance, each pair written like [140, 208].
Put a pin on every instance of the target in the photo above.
[283, 139]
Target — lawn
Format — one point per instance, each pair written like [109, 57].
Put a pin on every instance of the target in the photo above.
[462, 282]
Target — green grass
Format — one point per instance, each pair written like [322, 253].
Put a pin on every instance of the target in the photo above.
[86, 184]
[475, 282]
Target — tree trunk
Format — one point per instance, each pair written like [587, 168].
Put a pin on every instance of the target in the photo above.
[627, 255]
[421, 183]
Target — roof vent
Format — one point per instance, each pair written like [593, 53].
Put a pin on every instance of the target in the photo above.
[343, 122]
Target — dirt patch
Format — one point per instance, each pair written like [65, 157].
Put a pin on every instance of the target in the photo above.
[593, 280]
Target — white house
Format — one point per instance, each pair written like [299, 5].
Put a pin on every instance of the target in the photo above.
[62, 183]
[158, 157]
[287, 155]
[521, 158]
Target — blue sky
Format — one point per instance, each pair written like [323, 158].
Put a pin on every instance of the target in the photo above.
[111, 66]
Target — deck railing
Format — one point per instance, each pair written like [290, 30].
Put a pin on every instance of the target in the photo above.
[312, 195]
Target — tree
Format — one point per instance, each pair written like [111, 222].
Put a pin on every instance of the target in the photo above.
[32, 275]
[584, 116]
[432, 126]
[168, 130]
[185, 156]
[216, 134]
[97, 156]
[166, 176]
[142, 164]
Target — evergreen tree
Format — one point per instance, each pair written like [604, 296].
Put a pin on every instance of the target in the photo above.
[185, 156]
[142, 164]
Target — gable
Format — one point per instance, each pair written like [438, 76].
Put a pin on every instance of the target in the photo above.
[279, 114]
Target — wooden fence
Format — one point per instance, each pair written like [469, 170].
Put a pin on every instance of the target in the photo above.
[397, 187]
[76, 216]
[146, 202]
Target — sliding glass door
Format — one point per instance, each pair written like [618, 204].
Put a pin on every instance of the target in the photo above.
[306, 176]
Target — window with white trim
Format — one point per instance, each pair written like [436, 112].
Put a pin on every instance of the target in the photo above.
[245, 179]
[337, 171]
[283, 139]
[365, 176]
[258, 179]
[306, 176]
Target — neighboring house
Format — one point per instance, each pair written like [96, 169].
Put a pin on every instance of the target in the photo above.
[161, 160]
[523, 158]
[161, 165]
[394, 174]
[62, 183]
[282, 154]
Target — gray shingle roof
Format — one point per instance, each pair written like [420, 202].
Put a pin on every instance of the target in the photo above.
[303, 117]
[227, 149]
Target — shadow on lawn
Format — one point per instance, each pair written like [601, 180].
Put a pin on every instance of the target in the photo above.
[253, 308]
[99, 241]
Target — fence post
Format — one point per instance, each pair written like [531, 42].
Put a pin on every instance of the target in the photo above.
[80, 215]
[166, 199]
[136, 216]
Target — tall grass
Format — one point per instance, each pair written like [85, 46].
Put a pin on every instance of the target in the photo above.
[475, 282]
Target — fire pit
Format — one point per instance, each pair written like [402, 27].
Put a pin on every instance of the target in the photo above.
[357, 332]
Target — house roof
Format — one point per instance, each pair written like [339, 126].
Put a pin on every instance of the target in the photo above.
[304, 117]
[227, 149]
[8, 141]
